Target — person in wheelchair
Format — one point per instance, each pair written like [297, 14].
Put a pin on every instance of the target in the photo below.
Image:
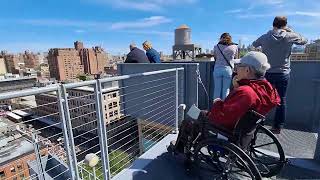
[251, 92]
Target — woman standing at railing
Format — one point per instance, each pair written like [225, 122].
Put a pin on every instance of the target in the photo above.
[224, 52]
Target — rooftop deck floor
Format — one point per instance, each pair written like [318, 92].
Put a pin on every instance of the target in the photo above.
[157, 164]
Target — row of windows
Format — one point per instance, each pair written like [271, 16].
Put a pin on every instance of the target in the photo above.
[112, 105]
[111, 95]
[13, 172]
[113, 113]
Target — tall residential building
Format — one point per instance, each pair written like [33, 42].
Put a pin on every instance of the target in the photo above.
[31, 60]
[12, 63]
[92, 61]
[64, 63]
[3, 68]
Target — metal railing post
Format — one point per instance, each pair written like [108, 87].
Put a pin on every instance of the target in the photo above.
[140, 134]
[102, 130]
[38, 156]
[177, 102]
[70, 133]
[65, 133]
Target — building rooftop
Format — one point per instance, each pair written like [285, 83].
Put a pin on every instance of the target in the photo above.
[183, 26]
[12, 146]
[17, 79]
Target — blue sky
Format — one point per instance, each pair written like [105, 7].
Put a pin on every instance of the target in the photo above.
[38, 25]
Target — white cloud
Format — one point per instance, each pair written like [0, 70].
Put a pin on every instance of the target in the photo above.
[83, 26]
[233, 11]
[158, 33]
[142, 23]
[276, 13]
[304, 13]
[64, 22]
[266, 3]
[79, 31]
[144, 5]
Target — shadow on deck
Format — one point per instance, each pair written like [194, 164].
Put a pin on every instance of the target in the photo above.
[157, 164]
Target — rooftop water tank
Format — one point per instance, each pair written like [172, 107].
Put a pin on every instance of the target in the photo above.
[182, 35]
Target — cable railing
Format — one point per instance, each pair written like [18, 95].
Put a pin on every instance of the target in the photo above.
[70, 121]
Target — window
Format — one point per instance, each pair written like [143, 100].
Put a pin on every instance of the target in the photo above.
[110, 105]
[13, 170]
[110, 114]
[19, 167]
[114, 94]
[115, 104]
[116, 112]
[2, 175]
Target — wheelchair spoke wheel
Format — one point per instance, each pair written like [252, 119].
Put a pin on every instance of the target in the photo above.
[219, 159]
[267, 152]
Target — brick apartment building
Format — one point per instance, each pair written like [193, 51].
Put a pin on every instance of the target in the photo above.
[16, 151]
[31, 60]
[3, 68]
[68, 63]
[12, 63]
[64, 63]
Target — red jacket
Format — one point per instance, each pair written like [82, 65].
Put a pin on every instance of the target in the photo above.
[258, 95]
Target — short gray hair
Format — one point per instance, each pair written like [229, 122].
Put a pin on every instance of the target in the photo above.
[132, 45]
[258, 74]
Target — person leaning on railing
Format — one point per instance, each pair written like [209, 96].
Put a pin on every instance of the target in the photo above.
[152, 54]
[136, 55]
[251, 92]
[277, 44]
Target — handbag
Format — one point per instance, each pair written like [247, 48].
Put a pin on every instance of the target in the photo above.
[233, 72]
[224, 57]
[228, 62]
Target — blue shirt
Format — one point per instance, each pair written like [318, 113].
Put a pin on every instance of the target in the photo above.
[153, 56]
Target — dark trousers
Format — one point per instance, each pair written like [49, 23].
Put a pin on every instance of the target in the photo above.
[280, 81]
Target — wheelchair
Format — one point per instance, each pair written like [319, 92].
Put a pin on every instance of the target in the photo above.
[218, 153]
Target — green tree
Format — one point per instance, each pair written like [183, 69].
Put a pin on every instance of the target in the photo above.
[118, 160]
[82, 77]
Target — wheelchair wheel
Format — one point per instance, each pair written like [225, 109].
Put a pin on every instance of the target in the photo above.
[220, 159]
[269, 164]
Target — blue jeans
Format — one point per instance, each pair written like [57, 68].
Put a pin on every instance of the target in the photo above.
[222, 80]
[280, 81]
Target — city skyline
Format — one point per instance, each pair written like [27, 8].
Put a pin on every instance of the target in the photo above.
[114, 25]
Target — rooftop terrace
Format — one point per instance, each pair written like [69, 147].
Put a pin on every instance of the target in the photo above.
[135, 147]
